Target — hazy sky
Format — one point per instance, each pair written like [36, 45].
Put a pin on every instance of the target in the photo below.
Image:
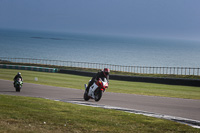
[179, 18]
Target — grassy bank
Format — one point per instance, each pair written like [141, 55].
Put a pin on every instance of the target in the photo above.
[25, 114]
[77, 82]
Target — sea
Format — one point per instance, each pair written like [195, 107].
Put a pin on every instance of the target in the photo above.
[99, 48]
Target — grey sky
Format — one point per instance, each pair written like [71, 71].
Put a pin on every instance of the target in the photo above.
[179, 18]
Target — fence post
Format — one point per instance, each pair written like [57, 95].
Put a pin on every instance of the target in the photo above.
[189, 70]
[153, 70]
[181, 70]
[143, 69]
[193, 70]
[177, 70]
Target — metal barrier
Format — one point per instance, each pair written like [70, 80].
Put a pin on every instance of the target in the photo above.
[164, 80]
[122, 68]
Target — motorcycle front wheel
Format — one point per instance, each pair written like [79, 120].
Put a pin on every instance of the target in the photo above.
[98, 95]
[85, 96]
[18, 88]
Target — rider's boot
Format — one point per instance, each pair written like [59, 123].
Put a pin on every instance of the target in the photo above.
[88, 87]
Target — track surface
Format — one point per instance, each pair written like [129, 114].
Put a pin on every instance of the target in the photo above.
[185, 108]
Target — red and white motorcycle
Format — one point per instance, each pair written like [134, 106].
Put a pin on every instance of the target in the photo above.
[96, 90]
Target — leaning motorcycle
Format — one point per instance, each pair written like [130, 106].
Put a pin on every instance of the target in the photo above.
[96, 90]
[18, 84]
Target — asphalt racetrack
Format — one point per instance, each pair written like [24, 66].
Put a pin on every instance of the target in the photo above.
[184, 108]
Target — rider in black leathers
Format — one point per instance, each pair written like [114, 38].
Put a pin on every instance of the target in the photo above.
[17, 76]
[101, 74]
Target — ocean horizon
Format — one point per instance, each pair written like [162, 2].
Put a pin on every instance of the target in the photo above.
[94, 48]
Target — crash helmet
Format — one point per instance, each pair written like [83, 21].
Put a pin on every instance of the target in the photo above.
[106, 71]
[18, 73]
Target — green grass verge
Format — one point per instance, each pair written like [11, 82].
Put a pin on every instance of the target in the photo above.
[77, 82]
[35, 115]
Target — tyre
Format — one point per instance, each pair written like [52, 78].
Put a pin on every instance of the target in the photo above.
[18, 88]
[86, 97]
[98, 95]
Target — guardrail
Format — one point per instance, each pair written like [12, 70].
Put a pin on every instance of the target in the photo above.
[160, 80]
[122, 68]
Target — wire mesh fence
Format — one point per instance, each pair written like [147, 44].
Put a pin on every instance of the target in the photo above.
[122, 68]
